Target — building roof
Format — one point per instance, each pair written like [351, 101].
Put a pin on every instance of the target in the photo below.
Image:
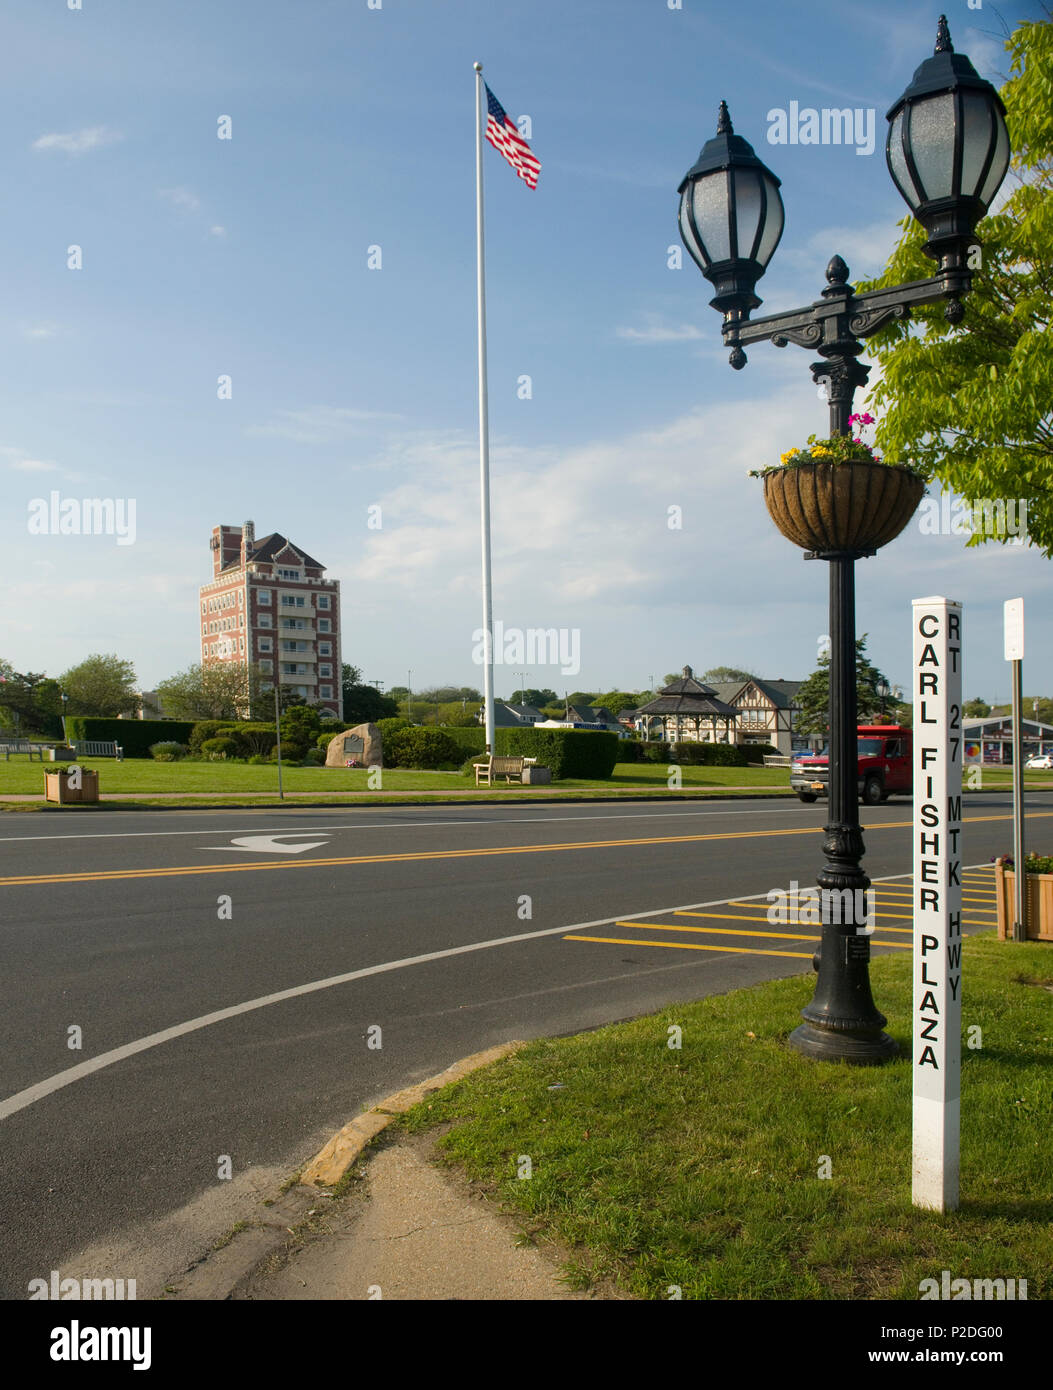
[268, 548]
[688, 696]
[781, 693]
[587, 714]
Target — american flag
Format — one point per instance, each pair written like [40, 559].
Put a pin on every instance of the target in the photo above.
[506, 139]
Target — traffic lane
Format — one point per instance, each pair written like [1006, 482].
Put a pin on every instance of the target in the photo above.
[351, 834]
[123, 959]
[145, 1136]
[67, 929]
[92, 851]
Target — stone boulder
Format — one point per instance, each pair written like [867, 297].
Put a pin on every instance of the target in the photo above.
[364, 743]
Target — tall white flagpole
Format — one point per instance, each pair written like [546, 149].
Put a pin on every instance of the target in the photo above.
[484, 425]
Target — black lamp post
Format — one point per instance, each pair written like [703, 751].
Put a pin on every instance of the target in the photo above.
[883, 690]
[948, 152]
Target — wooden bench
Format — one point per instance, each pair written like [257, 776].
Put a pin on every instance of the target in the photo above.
[22, 745]
[98, 748]
[511, 769]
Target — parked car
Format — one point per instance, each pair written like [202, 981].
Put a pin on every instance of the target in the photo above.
[1040, 760]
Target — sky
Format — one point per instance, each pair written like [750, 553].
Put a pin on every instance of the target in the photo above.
[353, 385]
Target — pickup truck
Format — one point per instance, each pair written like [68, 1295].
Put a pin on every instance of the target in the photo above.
[885, 766]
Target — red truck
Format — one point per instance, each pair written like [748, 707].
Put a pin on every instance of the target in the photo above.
[886, 765]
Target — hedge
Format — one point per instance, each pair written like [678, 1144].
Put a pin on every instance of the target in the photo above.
[135, 736]
[691, 753]
[421, 748]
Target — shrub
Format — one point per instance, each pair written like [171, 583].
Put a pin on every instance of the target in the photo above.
[314, 757]
[252, 738]
[421, 748]
[216, 748]
[135, 736]
[205, 729]
[292, 750]
[388, 727]
[324, 740]
[655, 752]
[167, 752]
[257, 759]
[468, 766]
[757, 752]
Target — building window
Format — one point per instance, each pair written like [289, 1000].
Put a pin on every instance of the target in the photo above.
[324, 625]
[325, 648]
[265, 665]
[289, 574]
[292, 600]
[326, 692]
[325, 670]
[323, 600]
[264, 620]
[266, 645]
[241, 620]
[264, 597]
[241, 644]
[241, 597]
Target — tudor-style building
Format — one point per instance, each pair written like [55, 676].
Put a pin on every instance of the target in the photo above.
[269, 603]
[752, 711]
[766, 710]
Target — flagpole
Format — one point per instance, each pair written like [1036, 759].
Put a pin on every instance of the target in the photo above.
[484, 426]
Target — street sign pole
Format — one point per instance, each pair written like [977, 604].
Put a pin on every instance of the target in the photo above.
[1014, 653]
[937, 1012]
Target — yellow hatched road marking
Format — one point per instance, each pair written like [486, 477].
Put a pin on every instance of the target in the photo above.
[694, 946]
[718, 931]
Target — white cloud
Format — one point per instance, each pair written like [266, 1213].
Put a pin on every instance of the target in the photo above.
[182, 198]
[319, 424]
[217, 231]
[34, 466]
[78, 141]
[40, 330]
[658, 332]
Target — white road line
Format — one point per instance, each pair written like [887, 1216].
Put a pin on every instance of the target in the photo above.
[31, 1094]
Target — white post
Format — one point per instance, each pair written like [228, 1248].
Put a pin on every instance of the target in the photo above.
[1013, 611]
[937, 1012]
[484, 425]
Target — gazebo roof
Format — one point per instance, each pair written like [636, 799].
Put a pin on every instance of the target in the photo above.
[688, 696]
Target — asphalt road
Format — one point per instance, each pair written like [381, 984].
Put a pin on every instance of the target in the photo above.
[134, 927]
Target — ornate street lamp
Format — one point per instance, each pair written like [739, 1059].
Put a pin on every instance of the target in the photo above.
[883, 690]
[948, 152]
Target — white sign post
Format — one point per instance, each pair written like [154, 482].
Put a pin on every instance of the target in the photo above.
[937, 1012]
[1013, 610]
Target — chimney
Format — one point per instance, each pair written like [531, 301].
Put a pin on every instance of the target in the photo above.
[248, 541]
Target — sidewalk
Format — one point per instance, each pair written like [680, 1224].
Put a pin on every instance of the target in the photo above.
[389, 1223]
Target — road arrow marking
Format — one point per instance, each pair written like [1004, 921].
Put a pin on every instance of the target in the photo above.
[266, 844]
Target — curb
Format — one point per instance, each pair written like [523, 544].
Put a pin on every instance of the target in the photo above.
[332, 1162]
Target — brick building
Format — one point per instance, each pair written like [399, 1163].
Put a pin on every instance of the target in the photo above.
[268, 603]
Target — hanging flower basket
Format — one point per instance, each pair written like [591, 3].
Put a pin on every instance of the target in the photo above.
[846, 506]
[838, 496]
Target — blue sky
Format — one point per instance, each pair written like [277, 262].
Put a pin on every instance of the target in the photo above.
[353, 127]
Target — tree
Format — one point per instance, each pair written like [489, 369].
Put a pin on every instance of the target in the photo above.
[814, 695]
[532, 696]
[30, 702]
[364, 704]
[215, 690]
[972, 405]
[726, 674]
[101, 686]
[976, 709]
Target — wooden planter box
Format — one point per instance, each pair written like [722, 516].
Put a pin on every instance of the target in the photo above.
[1039, 904]
[57, 787]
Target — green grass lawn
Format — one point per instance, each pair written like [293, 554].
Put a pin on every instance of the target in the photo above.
[143, 775]
[700, 1167]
